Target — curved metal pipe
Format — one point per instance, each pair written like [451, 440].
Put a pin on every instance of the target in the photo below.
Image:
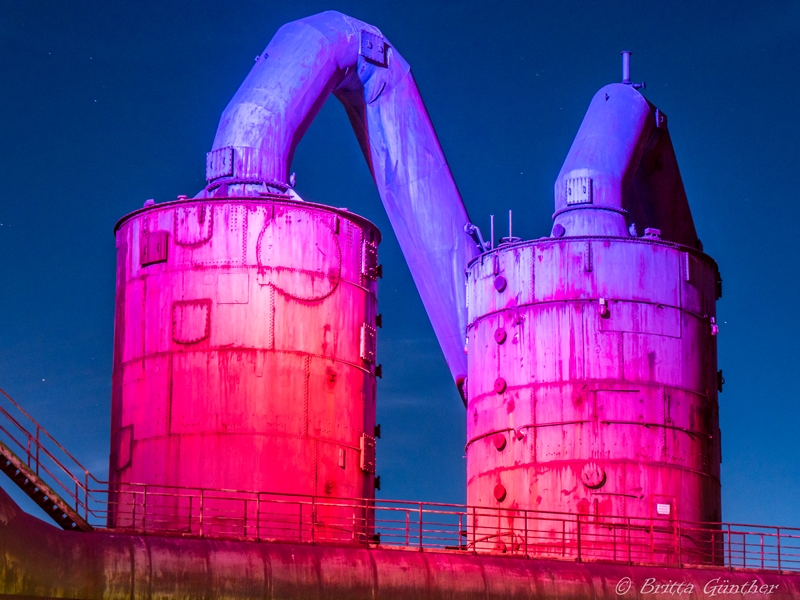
[305, 62]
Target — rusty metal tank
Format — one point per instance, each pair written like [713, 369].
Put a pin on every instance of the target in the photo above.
[244, 354]
[593, 381]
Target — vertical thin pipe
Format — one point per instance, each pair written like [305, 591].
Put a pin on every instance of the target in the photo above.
[509, 226]
[626, 66]
[578, 521]
[491, 231]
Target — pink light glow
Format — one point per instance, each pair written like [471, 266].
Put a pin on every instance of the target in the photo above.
[244, 350]
[604, 341]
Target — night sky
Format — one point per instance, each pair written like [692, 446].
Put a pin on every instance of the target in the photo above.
[106, 104]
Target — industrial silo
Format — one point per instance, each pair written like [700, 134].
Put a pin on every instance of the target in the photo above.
[593, 375]
[245, 341]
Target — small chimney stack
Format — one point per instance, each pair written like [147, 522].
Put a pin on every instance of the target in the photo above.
[626, 66]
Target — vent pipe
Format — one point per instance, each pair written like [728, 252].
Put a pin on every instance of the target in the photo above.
[626, 66]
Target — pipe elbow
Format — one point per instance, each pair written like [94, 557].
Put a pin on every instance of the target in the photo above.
[304, 63]
[261, 126]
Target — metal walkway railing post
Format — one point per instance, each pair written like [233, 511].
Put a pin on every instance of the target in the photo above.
[730, 554]
[630, 543]
[420, 525]
[202, 510]
[408, 526]
[313, 518]
[525, 539]
[144, 511]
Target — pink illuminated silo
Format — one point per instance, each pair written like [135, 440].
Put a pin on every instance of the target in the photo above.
[593, 381]
[244, 354]
[245, 327]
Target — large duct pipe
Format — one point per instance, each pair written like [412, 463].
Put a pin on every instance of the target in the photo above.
[305, 62]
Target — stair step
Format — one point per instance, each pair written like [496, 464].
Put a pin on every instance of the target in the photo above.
[38, 491]
[24, 472]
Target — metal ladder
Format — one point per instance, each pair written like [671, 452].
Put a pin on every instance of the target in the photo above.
[42, 470]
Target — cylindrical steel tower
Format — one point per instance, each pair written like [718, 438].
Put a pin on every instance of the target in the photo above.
[593, 380]
[592, 384]
[244, 353]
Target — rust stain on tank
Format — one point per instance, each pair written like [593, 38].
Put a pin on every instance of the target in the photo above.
[225, 383]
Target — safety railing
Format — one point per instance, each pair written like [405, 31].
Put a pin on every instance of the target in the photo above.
[45, 457]
[263, 516]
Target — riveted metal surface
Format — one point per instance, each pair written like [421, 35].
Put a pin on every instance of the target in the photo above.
[373, 48]
[242, 360]
[153, 247]
[219, 163]
[617, 400]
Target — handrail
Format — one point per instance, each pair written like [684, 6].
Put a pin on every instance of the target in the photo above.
[43, 430]
[424, 526]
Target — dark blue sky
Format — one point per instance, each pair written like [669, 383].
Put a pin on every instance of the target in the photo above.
[106, 104]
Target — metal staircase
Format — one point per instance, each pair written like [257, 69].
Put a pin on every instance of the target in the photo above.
[40, 467]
